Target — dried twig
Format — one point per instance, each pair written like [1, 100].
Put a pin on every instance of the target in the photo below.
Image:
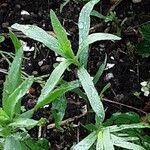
[64, 122]
[124, 105]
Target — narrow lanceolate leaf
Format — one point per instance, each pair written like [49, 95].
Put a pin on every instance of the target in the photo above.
[15, 40]
[87, 142]
[100, 71]
[12, 144]
[2, 38]
[84, 26]
[119, 142]
[18, 93]
[61, 35]
[53, 95]
[24, 123]
[58, 109]
[108, 143]
[116, 128]
[91, 92]
[40, 35]
[94, 38]
[4, 118]
[100, 141]
[13, 79]
[53, 80]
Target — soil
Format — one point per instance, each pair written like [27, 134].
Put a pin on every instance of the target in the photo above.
[125, 76]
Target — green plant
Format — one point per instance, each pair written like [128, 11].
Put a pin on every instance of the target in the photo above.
[62, 46]
[109, 18]
[55, 88]
[13, 123]
[143, 48]
[2, 38]
[128, 133]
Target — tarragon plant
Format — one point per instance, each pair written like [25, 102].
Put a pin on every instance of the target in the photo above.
[53, 89]
[13, 123]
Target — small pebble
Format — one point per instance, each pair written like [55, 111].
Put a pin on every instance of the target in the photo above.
[40, 63]
[24, 12]
[108, 66]
[34, 72]
[60, 59]
[109, 76]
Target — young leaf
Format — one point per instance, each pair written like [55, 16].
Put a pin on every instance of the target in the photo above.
[2, 38]
[61, 35]
[28, 114]
[91, 92]
[4, 118]
[53, 80]
[87, 142]
[100, 141]
[84, 26]
[31, 144]
[145, 30]
[108, 143]
[18, 93]
[94, 38]
[24, 123]
[12, 144]
[106, 87]
[116, 128]
[15, 40]
[58, 109]
[57, 93]
[100, 71]
[119, 142]
[40, 35]
[13, 79]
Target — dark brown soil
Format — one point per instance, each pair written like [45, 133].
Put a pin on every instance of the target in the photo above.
[129, 70]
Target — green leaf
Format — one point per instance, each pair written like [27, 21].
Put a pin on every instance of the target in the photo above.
[12, 144]
[91, 92]
[4, 118]
[15, 40]
[62, 5]
[58, 109]
[53, 80]
[84, 27]
[28, 114]
[97, 14]
[53, 95]
[100, 141]
[24, 123]
[107, 140]
[91, 127]
[100, 71]
[40, 35]
[105, 88]
[2, 38]
[108, 18]
[123, 118]
[61, 35]
[87, 142]
[41, 144]
[146, 31]
[94, 38]
[116, 128]
[143, 48]
[13, 80]
[117, 141]
[10, 103]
